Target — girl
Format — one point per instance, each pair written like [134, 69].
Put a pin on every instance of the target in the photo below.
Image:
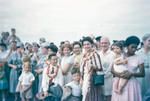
[26, 79]
[119, 66]
[66, 63]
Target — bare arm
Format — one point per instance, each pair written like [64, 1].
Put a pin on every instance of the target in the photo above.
[120, 61]
[115, 73]
[141, 72]
[66, 68]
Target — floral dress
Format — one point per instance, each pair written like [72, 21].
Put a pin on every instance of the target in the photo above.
[90, 92]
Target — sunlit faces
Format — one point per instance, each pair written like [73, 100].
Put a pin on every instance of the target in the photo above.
[66, 51]
[26, 67]
[104, 44]
[77, 49]
[87, 45]
[131, 49]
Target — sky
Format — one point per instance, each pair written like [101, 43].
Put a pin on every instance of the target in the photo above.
[59, 20]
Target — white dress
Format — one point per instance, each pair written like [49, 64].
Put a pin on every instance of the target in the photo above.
[68, 77]
[120, 68]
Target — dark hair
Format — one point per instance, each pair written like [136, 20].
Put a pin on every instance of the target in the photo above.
[118, 44]
[75, 70]
[132, 40]
[98, 38]
[13, 29]
[3, 45]
[76, 43]
[53, 47]
[89, 39]
[50, 55]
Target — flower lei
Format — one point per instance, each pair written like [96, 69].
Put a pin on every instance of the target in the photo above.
[51, 77]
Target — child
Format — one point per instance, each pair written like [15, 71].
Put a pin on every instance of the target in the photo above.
[26, 79]
[49, 73]
[74, 86]
[119, 66]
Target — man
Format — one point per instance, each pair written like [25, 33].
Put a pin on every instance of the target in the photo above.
[107, 57]
[13, 36]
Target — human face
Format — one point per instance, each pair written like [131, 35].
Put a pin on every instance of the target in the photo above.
[87, 46]
[116, 50]
[30, 48]
[35, 48]
[13, 32]
[131, 49]
[147, 43]
[13, 45]
[104, 44]
[54, 60]
[66, 51]
[77, 49]
[76, 77]
[44, 50]
[26, 68]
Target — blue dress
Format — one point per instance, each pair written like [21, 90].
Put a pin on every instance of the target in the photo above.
[3, 79]
[15, 59]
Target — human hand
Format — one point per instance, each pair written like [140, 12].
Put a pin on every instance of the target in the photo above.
[14, 67]
[126, 74]
[76, 64]
[45, 93]
[125, 61]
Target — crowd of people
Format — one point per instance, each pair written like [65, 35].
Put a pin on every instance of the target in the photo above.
[42, 71]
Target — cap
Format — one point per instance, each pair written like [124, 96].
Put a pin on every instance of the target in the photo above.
[42, 40]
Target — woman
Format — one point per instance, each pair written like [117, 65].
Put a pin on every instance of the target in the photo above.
[77, 54]
[145, 55]
[66, 63]
[131, 91]
[15, 63]
[90, 63]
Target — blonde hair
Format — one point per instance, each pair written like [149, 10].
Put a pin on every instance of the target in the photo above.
[27, 64]
[26, 58]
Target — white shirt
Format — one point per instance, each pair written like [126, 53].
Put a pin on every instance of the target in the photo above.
[26, 78]
[76, 88]
[46, 79]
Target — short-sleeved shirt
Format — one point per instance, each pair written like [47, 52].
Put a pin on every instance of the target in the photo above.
[76, 88]
[26, 78]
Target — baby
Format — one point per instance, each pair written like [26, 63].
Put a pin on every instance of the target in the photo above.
[119, 66]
